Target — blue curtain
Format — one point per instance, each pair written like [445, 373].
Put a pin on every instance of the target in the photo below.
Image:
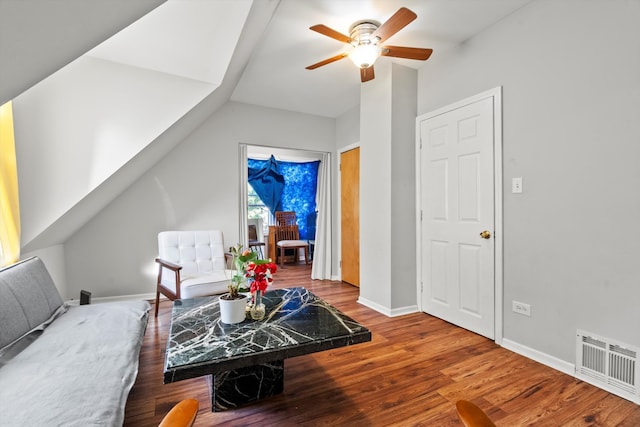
[267, 181]
[298, 193]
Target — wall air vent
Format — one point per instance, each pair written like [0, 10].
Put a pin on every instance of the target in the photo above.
[608, 364]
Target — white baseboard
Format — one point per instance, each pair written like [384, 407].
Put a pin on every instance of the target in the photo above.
[538, 356]
[562, 366]
[394, 312]
[374, 306]
[410, 309]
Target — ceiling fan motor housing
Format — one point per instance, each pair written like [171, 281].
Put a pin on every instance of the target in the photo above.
[360, 32]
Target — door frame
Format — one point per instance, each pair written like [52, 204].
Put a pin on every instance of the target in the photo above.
[244, 151]
[496, 94]
[339, 202]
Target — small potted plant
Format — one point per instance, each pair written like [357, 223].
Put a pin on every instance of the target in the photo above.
[233, 304]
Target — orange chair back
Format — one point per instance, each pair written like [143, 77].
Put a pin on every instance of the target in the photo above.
[472, 416]
[183, 414]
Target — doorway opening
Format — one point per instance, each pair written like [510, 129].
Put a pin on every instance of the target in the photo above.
[314, 217]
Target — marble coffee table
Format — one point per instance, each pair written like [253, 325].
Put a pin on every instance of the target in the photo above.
[245, 362]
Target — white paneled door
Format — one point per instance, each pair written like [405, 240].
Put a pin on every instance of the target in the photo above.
[457, 209]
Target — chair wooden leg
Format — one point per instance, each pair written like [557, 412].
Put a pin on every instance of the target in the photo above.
[157, 301]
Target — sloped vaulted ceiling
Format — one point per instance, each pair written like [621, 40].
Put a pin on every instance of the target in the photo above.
[38, 38]
[86, 132]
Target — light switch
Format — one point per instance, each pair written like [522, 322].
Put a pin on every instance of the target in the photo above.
[516, 185]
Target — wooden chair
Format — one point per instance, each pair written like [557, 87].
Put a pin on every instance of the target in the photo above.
[471, 415]
[286, 218]
[183, 414]
[255, 244]
[288, 236]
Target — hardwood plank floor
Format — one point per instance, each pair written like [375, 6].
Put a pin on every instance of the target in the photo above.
[410, 374]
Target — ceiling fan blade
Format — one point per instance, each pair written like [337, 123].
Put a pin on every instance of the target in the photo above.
[398, 21]
[367, 74]
[327, 61]
[324, 30]
[406, 52]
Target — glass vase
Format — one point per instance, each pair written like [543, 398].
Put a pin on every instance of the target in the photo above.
[258, 309]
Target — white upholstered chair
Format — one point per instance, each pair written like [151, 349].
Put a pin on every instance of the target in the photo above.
[191, 264]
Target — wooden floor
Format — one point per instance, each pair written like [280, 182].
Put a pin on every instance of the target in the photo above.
[411, 374]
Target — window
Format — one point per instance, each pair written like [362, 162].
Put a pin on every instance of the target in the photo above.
[256, 209]
[9, 206]
[286, 186]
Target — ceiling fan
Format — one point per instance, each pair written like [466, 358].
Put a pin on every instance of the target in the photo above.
[366, 38]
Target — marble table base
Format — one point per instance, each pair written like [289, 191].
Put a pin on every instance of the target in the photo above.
[231, 389]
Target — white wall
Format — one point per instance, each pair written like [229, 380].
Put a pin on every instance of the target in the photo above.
[403, 193]
[571, 97]
[196, 186]
[53, 259]
[375, 188]
[387, 189]
[347, 135]
[82, 124]
[348, 128]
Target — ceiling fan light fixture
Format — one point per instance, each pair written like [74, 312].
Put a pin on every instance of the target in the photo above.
[364, 55]
[366, 39]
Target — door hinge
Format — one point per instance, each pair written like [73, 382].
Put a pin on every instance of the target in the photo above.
[420, 214]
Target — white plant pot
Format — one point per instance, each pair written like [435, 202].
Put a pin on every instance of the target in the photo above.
[233, 311]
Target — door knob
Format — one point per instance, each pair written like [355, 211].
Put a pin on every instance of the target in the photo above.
[485, 234]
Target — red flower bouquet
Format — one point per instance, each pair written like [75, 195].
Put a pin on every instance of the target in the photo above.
[260, 273]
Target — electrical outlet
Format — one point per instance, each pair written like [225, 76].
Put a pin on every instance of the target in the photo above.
[521, 308]
[516, 185]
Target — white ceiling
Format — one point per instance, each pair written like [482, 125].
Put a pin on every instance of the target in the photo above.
[195, 39]
[276, 74]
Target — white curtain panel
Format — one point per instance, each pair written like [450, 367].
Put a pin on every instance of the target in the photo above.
[244, 225]
[321, 268]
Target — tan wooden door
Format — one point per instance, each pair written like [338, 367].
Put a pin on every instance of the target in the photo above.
[350, 215]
